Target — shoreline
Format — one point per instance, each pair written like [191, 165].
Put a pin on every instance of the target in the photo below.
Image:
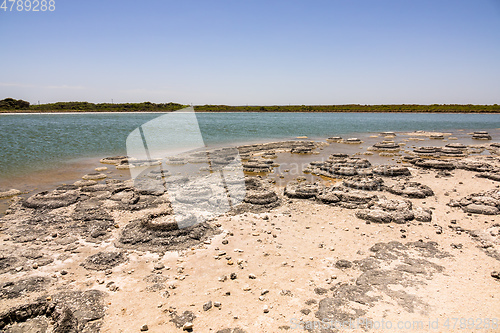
[352, 238]
[243, 111]
[69, 171]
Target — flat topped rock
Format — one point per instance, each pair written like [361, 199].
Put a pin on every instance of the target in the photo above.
[352, 140]
[391, 170]
[434, 164]
[51, 200]
[411, 190]
[448, 151]
[456, 145]
[113, 159]
[385, 145]
[94, 176]
[367, 184]
[481, 135]
[487, 203]
[301, 150]
[9, 193]
[426, 150]
[302, 190]
[481, 209]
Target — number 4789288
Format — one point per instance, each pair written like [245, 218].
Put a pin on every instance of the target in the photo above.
[28, 5]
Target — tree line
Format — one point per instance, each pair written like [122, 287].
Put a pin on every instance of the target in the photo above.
[13, 105]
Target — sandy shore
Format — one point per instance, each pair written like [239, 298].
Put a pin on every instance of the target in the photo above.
[399, 236]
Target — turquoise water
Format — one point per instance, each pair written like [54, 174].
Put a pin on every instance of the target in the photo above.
[31, 142]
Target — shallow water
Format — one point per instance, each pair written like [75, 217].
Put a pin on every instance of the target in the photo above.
[35, 142]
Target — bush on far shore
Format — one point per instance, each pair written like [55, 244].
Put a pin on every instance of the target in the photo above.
[12, 105]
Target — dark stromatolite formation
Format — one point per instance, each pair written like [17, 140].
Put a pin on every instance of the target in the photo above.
[390, 146]
[364, 183]
[396, 211]
[302, 150]
[52, 200]
[273, 146]
[334, 139]
[257, 166]
[302, 190]
[114, 160]
[102, 261]
[69, 311]
[433, 164]
[486, 203]
[258, 197]
[22, 287]
[410, 190]
[427, 151]
[164, 232]
[481, 135]
[346, 197]
[388, 265]
[391, 171]
[474, 165]
[340, 166]
[490, 175]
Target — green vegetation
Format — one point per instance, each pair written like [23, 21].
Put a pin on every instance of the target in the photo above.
[12, 105]
[88, 107]
[454, 108]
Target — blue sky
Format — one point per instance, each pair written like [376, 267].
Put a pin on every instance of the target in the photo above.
[254, 52]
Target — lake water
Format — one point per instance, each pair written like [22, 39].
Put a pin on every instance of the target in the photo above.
[35, 142]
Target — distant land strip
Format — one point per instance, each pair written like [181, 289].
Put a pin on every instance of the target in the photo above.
[10, 105]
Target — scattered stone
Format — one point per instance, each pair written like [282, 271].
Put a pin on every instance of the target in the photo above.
[187, 326]
[207, 306]
[159, 266]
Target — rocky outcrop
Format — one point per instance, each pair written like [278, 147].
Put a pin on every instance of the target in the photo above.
[302, 190]
[486, 203]
[410, 190]
[396, 211]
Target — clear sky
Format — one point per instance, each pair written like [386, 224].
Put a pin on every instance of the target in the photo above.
[254, 52]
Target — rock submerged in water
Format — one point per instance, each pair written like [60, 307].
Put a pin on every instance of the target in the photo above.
[481, 135]
[94, 176]
[114, 160]
[10, 193]
[390, 146]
